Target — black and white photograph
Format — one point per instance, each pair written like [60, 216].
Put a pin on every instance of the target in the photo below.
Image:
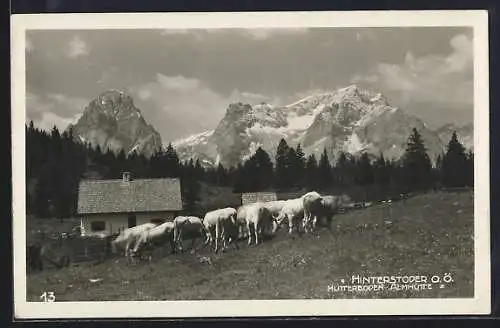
[260, 164]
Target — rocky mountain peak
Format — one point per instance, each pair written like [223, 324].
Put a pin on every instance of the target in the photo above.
[112, 121]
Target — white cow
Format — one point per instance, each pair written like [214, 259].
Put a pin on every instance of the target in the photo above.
[223, 222]
[188, 225]
[312, 208]
[275, 206]
[156, 236]
[330, 205]
[293, 212]
[258, 219]
[128, 237]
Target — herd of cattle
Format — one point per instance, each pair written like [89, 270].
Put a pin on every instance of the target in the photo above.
[227, 225]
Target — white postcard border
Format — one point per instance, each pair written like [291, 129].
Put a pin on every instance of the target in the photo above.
[480, 304]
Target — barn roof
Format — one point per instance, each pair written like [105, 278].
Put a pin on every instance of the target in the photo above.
[118, 196]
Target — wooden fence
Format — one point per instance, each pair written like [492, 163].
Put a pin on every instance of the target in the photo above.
[58, 250]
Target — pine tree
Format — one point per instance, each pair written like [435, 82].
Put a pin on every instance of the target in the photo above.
[240, 178]
[324, 171]
[365, 170]
[120, 164]
[292, 168]
[260, 168]
[470, 168]
[342, 173]
[438, 170]
[381, 171]
[417, 166]
[282, 166]
[221, 175]
[199, 170]
[171, 162]
[454, 170]
[300, 165]
[311, 173]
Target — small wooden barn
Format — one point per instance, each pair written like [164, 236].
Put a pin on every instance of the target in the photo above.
[107, 207]
[253, 197]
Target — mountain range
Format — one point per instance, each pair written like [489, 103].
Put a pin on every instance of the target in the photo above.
[350, 119]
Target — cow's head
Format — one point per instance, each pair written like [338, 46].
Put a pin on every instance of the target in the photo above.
[275, 224]
[279, 218]
[233, 219]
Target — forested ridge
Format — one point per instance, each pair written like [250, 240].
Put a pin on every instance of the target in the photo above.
[55, 164]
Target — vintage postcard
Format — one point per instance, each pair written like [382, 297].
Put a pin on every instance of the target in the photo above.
[177, 165]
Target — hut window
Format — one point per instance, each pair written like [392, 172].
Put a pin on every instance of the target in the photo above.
[157, 221]
[98, 226]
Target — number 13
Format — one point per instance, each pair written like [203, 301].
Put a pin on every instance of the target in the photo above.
[48, 297]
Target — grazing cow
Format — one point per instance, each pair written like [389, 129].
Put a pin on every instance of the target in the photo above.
[259, 218]
[188, 225]
[292, 211]
[156, 236]
[312, 208]
[129, 236]
[275, 206]
[223, 221]
[241, 214]
[330, 205]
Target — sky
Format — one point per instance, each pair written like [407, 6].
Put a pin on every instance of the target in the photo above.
[183, 80]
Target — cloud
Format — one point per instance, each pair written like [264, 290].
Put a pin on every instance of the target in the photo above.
[441, 79]
[53, 109]
[77, 47]
[179, 83]
[144, 94]
[178, 106]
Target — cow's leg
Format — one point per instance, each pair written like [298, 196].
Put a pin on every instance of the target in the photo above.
[209, 234]
[249, 228]
[305, 220]
[206, 234]
[180, 238]
[217, 235]
[236, 240]
[314, 222]
[256, 228]
[127, 248]
[224, 238]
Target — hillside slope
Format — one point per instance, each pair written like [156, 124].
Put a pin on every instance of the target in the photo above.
[425, 235]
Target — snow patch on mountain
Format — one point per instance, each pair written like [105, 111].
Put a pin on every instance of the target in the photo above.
[354, 145]
[299, 122]
[193, 139]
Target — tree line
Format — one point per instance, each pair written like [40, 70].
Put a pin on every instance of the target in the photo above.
[55, 164]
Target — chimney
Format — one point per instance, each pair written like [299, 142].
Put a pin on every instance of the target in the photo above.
[126, 176]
